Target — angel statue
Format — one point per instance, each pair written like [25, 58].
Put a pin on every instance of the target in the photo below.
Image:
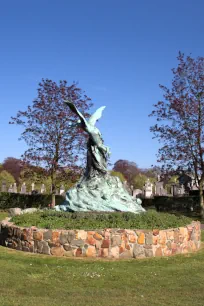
[97, 152]
[97, 190]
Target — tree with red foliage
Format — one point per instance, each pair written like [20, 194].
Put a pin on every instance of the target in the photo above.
[127, 168]
[53, 142]
[13, 166]
[180, 117]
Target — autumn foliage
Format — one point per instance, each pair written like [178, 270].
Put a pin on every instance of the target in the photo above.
[53, 141]
[14, 166]
[180, 119]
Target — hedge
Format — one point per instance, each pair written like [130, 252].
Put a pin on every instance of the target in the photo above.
[180, 204]
[148, 203]
[11, 200]
[65, 220]
[195, 192]
[162, 203]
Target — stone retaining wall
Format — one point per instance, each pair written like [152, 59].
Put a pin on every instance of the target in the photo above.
[109, 243]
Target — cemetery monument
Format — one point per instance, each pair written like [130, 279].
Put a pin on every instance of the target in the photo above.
[97, 190]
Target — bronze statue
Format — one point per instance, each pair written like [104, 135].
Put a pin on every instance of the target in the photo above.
[97, 190]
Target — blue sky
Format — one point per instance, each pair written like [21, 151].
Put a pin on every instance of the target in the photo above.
[118, 51]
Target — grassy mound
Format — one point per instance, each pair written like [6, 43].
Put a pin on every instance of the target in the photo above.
[89, 221]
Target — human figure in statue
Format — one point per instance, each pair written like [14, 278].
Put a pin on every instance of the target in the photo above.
[97, 190]
[97, 152]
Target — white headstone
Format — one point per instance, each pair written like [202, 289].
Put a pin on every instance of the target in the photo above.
[3, 187]
[136, 192]
[10, 188]
[182, 189]
[23, 188]
[62, 189]
[15, 188]
[148, 189]
[42, 190]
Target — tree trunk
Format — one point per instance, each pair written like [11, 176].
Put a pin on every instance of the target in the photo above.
[53, 177]
[53, 200]
[201, 198]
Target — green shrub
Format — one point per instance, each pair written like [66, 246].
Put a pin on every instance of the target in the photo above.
[6, 177]
[179, 204]
[11, 200]
[65, 220]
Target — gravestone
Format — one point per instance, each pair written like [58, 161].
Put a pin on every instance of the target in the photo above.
[173, 190]
[10, 188]
[23, 188]
[148, 189]
[136, 192]
[159, 189]
[3, 187]
[182, 189]
[177, 190]
[15, 188]
[62, 189]
[42, 189]
[32, 186]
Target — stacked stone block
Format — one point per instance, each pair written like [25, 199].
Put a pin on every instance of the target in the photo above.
[106, 243]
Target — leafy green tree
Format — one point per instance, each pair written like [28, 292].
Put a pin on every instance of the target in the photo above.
[173, 180]
[6, 177]
[39, 176]
[68, 177]
[139, 181]
[31, 174]
[118, 174]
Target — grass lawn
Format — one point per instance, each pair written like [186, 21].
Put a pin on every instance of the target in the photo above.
[3, 215]
[28, 279]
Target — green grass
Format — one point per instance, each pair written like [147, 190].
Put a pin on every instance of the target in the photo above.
[3, 214]
[28, 280]
[53, 220]
[33, 279]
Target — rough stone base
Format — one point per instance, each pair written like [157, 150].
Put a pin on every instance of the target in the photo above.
[106, 243]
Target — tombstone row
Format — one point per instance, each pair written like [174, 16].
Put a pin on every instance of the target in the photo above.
[148, 191]
[23, 189]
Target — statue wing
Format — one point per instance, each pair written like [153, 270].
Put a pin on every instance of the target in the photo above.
[77, 112]
[97, 115]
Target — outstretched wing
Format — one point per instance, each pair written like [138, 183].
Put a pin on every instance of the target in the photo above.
[77, 112]
[97, 115]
